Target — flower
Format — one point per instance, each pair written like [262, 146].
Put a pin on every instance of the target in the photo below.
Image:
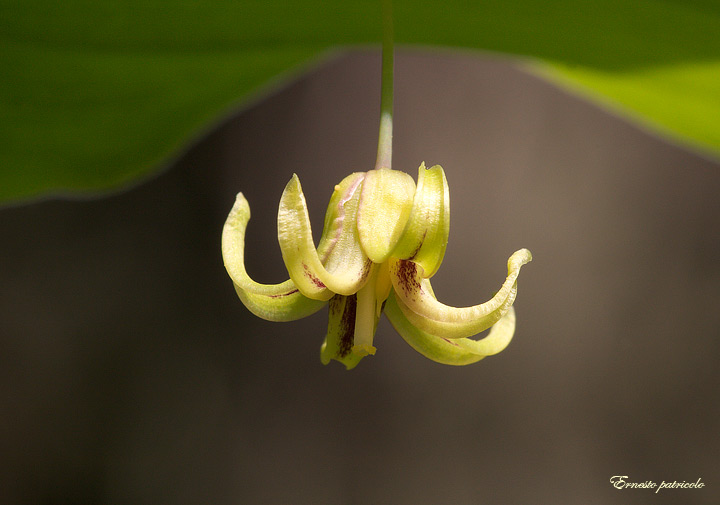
[383, 239]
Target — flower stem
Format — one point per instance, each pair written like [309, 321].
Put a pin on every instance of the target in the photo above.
[384, 155]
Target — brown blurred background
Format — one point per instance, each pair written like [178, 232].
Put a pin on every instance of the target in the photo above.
[131, 373]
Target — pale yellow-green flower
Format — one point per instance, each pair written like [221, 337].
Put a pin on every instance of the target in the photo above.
[383, 239]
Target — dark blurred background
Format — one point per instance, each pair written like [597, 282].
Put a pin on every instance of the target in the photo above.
[131, 373]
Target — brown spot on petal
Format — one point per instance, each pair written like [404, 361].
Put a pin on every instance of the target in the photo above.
[366, 270]
[347, 326]
[420, 244]
[284, 294]
[312, 278]
[406, 271]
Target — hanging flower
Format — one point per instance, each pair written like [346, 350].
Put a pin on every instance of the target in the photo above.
[383, 239]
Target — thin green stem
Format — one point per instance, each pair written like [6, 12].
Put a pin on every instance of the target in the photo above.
[384, 156]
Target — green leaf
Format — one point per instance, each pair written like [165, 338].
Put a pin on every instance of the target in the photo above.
[96, 94]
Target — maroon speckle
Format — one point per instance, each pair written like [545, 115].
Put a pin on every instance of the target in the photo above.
[348, 305]
[406, 274]
[366, 270]
[312, 278]
[284, 294]
[417, 250]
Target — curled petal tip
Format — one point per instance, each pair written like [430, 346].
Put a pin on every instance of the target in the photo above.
[273, 302]
[458, 352]
[344, 268]
[519, 258]
[418, 303]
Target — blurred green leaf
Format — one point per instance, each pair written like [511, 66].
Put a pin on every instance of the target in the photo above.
[94, 94]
